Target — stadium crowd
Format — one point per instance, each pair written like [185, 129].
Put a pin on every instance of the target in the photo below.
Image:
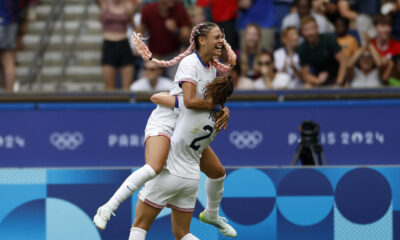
[287, 44]
[281, 44]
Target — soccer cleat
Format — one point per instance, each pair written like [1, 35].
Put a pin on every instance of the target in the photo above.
[221, 223]
[102, 217]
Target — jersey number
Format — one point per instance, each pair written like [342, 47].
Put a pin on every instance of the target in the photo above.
[193, 144]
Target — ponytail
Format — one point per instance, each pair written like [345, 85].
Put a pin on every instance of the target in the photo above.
[144, 51]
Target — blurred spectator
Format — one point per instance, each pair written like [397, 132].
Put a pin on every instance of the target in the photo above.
[31, 15]
[391, 8]
[168, 25]
[9, 12]
[196, 14]
[394, 79]
[384, 43]
[269, 77]
[318, 6]
[360, 12]
[260, 12]
[327, 8]
[367, 69]
[116, 15]
[348, 43]
[321, 58]
[152, 80]
[304, 9]
[224, 13]
[241, 82]
[250, 49]
[286, 58]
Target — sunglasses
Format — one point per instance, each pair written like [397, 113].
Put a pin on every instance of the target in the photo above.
[266, 63]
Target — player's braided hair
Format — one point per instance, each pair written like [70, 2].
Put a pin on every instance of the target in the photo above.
[201, 29]
[219, 89]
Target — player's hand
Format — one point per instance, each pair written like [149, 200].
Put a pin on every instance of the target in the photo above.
[222, 122]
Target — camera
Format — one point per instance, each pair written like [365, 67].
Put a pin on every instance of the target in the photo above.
[309, 148]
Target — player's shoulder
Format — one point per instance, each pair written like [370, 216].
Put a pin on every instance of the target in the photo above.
[190, 59]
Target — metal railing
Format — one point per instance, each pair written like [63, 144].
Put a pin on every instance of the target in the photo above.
[34, 79]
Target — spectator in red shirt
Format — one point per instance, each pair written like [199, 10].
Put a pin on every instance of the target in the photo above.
[384, 43]
[224, 13]
[168, 25]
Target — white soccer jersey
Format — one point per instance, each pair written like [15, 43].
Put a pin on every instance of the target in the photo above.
[192, 69]
[162, 120]
[194, 130]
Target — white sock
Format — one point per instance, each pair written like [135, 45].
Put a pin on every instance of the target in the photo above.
[131, 185]
[214, 189]
[188, 236]
[137, 234]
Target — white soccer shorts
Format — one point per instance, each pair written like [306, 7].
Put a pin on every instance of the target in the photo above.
[167, 190]
[161, 122]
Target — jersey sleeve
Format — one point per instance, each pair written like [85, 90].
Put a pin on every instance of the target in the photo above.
[187, 72]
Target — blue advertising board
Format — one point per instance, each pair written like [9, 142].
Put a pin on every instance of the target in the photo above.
[259, 133]
[345, 203]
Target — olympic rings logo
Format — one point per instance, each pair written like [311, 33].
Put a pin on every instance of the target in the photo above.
[246, 139]
[66, 140]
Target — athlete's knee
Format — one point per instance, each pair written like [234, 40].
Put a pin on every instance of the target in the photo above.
[140, 223]
[156, 167]
[215, 173]
[220, 172]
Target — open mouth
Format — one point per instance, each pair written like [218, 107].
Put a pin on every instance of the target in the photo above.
[218, 47]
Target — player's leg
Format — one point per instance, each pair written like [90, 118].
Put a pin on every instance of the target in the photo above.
[212, 167]
[180, 222]
[144, 217]
[156, 152]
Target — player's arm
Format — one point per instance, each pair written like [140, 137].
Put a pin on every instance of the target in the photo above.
[191, 100]
[164, 99]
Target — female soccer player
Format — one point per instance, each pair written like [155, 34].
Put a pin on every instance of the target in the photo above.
[177, 184]
[195, 71]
